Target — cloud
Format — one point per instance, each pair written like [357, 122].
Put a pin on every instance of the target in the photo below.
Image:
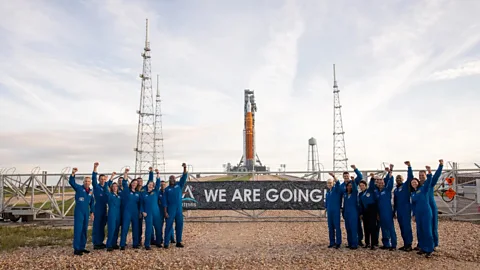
[69, 85]
[467, 69]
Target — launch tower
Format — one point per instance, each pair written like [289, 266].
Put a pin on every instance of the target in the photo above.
[250, 160]
[339, 152]
[145, 150]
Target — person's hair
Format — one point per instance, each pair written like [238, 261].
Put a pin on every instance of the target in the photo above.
[425, 172]
[345, 173]
[399, 176]
[101, 175]
[139, 178]
[130, 185]
[111, 186]
[411, 187]
[363, 181]
[87, 178]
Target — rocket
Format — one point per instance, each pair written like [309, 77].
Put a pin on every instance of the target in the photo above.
[249, 151]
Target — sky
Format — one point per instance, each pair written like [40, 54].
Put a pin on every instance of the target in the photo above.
[408, 74]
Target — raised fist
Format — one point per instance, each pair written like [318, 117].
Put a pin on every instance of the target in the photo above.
[391, 167]
[429, 169]
[184, 165]
[150, 168]
[441, 161]
[74, 170]
[353, 166]
[95, 164]
[407, 163]
[127, 170]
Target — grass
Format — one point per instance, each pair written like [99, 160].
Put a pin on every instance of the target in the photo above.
[232, 177]
[12, 237]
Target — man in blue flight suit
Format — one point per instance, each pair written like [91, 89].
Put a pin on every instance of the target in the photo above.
[101, 200]
[172, 202]
[357, 179]
[84, 208]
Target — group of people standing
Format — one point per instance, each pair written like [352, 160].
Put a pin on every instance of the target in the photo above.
[371, 204]
[124, 204]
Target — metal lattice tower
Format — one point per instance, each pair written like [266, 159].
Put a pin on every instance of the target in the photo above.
[339, 151]
[158, 154]
[145, 150]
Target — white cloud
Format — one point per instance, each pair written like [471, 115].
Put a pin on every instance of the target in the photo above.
[69, 85]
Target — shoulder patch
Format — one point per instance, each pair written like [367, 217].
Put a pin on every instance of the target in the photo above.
[368, 195]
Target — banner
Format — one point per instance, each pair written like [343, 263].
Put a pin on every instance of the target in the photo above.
[236, 195]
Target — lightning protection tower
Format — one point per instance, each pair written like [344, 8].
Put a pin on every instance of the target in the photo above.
[158, 154]
[145, 150]
[339, 150]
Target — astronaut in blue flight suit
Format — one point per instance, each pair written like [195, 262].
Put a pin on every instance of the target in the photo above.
[172, 202]
[346, 180]
[402, 208]
[384, 198]
[99, 188]
[114, 214]
[333, 201]
[150, 210]
[84, 208]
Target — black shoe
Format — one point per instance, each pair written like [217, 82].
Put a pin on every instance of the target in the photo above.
[392, 249]
[416, 248]
[135, 247]
[372, 248]
[148, 248]
[384, 247]
[353, 248]
[165, 247]
[361, 244]
[109, 249]
[366, 246]
[116, 247]
[420, 252]
[179, 245]
[103, 245]
[337, 246]
[428, 255]
[331, 246]
[96, 247]
[408, 249]
[172, 241]
[77, 252]
[159, 246]
[122, 248]
[402, 248]
[347, 246]
[85, 251]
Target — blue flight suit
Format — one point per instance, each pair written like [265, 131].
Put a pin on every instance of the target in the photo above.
[100, 220]
[333, 201]
[433, 204]
[114, 214]
[359, 223]
[402, 208]
[423, 215]
[84, 206]
[149, 205]
[351, 215]
[389, 236]
[141, 190]
[369, 212]
[172, 200]
[131, 212]
[159, 234]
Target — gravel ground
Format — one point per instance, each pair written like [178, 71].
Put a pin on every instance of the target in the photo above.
[260, 246]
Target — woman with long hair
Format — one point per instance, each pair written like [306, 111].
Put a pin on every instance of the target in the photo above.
[113, 219]
[131, 211]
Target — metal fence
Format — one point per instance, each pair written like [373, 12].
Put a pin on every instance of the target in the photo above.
[42, 196]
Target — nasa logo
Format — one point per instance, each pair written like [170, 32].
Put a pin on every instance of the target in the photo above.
[368, 195]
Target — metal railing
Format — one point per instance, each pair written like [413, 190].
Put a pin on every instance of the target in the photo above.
[31, 197]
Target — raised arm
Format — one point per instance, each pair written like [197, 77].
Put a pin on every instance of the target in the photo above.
[150, 175]
[371, 183]
[110, 181]
[389, 185]
[358, 173]
[125, 180]
[409, 171]
[71, 180]
[94, 175]
[159, 181]
[438, 173]
[183, 179]
[428, 183]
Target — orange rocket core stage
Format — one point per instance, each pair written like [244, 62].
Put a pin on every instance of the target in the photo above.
[249, 135]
